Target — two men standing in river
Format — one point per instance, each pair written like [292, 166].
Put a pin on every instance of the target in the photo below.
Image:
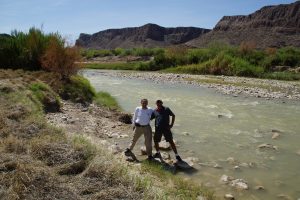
[141, 125]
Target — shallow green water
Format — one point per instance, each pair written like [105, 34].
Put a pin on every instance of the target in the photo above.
[245, 123]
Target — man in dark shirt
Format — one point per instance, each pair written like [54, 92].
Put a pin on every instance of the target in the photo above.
[163, 127]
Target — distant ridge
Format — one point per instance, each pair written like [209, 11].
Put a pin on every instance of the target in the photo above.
[271, 26]
[149, 35]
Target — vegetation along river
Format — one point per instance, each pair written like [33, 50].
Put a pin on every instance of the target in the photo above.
[253, 139]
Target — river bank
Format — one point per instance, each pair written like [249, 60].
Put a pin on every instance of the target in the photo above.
[66, 153]
[229, 85]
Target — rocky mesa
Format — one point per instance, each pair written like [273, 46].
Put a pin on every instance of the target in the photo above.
[149, 35]
[271, 26]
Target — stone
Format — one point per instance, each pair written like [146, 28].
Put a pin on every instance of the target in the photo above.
[267, 146]
[164, 145]
[217, 166]
[123, 136]
[64, 118]
[237, 167]
[226, 179]
[298, 152]
[229, 196]
[259, 187]
[230, 160]
[115, 149]
[143, 150]
[165, 156]
[191, 160]
[125, 118]
[275, 135]
[239, 184]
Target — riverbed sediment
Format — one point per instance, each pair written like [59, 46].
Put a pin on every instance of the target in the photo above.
[228, 85]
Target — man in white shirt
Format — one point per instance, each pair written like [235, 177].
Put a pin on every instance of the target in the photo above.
[141, 124]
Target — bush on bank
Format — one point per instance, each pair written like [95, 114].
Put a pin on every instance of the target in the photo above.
[36, 50]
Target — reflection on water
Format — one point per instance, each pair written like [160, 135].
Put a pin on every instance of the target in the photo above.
[224, 131]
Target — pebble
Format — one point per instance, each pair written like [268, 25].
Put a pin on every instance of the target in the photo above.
[217, 166]
[164, 145]
[259, 187]
[298, 153]
[275, 135]
[229, 196]
[237, 167]
[226, 179]
[267, 146]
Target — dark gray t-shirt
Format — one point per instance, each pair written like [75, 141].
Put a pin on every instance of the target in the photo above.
[162, 117]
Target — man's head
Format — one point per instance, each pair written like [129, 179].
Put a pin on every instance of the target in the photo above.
[144, 103]
[159, 103]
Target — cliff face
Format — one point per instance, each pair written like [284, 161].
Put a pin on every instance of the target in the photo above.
[149, 35]
[271, 26]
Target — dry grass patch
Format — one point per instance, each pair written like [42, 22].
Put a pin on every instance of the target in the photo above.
[12, 144]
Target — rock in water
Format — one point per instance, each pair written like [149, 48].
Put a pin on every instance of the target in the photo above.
[275, 136]
[267, 146]
[239, 184]
[229, 196]
[226, 179]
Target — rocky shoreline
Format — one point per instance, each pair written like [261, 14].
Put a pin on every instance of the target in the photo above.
[228, 85]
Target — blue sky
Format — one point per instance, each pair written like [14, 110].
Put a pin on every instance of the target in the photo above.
[71, 17]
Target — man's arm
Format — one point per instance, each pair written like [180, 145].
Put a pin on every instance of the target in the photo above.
[134, 117]
[172, 116]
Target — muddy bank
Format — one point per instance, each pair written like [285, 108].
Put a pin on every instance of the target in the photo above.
[235, 86]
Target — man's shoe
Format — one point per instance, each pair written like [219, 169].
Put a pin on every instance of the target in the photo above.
[128, 152]
[157, 155]
[150, 158]
[178, 158]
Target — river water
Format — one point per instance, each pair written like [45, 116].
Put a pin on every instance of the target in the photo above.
[223, 130]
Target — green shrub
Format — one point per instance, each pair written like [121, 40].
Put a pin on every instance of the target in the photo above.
[25, 50]
[46, 96]
[78, 89]
[106, 100]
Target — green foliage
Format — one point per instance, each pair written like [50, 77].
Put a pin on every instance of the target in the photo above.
[49, 100]
[24, 50]
[92, 53]
[106, 100]
[78, 89]
[115, 66]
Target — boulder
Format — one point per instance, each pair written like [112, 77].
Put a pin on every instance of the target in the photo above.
[125, 118]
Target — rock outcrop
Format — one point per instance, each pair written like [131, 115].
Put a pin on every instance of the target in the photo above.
[149, 35]
[271, 26]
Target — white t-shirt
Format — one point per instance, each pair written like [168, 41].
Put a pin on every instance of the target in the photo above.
[142, 116]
